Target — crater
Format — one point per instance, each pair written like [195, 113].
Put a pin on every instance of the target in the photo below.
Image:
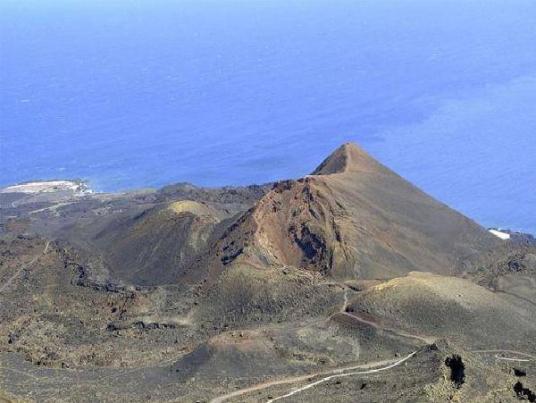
[457, 370]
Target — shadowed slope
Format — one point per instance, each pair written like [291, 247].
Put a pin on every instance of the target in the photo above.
[156, 246]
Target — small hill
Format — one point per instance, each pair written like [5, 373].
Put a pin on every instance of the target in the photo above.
[438, 306]
[156, 246]
[353, 218]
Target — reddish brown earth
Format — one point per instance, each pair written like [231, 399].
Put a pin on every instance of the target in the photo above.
[353, 218]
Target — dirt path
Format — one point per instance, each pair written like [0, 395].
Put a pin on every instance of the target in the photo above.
[345, 301]
[498, 357]
[23, 267]
[337, 372]
[528, 357]
[328, 378]
[425, 339]
[51, 208]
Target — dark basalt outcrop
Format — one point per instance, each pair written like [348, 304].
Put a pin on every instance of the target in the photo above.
[457, 370]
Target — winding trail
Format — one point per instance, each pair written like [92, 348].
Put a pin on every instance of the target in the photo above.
[529, 357]
[424, 339]
[334, 373]
[23, 267]
[54, 207]
[498, 357]
[328, 378]
[396, 332]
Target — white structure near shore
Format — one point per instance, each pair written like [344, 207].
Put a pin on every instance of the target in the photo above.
[48, 187]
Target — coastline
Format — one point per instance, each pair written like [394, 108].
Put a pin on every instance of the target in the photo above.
[81, 187]
[75, 186]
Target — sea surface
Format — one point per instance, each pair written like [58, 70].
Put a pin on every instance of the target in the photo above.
[130, 94]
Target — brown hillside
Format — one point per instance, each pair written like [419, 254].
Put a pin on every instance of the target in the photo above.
[353, 218]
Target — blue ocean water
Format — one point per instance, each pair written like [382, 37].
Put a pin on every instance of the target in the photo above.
[130, 94]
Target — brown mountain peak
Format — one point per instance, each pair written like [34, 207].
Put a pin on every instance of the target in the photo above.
[347, 158]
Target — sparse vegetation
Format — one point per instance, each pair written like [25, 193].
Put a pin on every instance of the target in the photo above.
[320, 286]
